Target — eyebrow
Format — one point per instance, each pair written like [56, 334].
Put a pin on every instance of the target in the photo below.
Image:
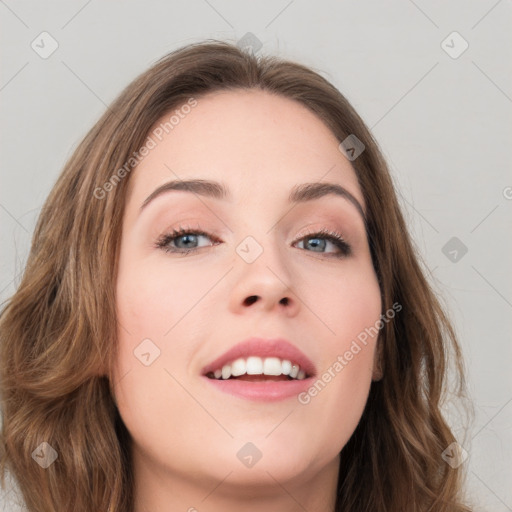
[216, 190]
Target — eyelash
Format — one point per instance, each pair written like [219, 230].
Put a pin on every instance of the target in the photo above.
[332, 236]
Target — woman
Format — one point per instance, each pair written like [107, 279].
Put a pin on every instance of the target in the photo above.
[222, 309]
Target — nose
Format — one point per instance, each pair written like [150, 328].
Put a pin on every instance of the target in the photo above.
[264, 285]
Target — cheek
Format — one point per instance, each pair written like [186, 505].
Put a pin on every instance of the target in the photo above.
[347, 304]
[357, 326]
[159, 311]
[152, 354]
[350, 310]
[151, 300]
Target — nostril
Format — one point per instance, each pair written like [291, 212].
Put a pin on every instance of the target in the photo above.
[250, 300]
[284, 301]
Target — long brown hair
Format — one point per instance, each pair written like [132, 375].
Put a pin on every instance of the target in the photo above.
[58, 331]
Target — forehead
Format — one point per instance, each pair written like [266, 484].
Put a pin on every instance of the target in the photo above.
[249, 139]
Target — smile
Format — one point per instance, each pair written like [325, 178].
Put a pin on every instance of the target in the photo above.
[262, 370]
[246, 368]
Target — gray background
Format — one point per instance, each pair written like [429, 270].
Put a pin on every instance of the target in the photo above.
[443, 121]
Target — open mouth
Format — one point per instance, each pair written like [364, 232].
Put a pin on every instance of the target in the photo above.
[258, 369]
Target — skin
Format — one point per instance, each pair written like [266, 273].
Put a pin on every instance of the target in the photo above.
[186, 433]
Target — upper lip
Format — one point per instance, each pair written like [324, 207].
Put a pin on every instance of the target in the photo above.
[276, 347]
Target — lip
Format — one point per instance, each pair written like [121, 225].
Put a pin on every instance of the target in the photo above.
[263, 391]
[270, 391]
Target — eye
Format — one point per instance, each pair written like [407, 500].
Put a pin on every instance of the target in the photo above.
[183, 240]
[320, 241]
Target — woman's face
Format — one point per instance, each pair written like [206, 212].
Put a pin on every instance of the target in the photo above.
[256, 268]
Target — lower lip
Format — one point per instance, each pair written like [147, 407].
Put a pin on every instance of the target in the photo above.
[270, 391]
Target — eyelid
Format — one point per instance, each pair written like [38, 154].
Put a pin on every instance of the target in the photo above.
[315, 231]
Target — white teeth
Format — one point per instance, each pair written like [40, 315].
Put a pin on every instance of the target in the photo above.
[238, 367]
[226, 371]
[254, 366]
[272, 366]
[260, 366]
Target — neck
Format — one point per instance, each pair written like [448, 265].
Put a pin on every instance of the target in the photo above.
[162, 490]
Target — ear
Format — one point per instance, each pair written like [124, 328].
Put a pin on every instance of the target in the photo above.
[378, 361]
